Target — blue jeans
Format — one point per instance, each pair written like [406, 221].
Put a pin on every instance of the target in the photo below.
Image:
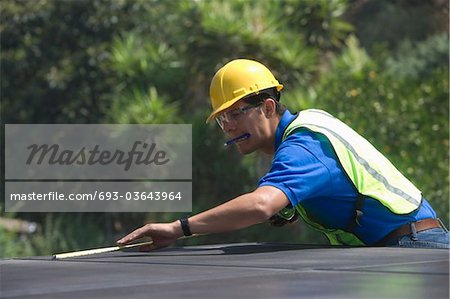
[430, 238]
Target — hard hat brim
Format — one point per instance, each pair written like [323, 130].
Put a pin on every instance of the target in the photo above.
[230, 103]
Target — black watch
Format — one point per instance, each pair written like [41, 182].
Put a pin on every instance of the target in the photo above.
[185, 226]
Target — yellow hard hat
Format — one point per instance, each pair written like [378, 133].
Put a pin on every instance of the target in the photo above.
[237, 79]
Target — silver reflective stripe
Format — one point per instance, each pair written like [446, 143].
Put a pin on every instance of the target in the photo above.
[379, 177]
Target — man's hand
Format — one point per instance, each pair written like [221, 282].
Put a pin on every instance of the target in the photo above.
[241, 212]
[162, 234]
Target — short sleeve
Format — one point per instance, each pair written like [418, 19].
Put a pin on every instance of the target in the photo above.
[298, 170]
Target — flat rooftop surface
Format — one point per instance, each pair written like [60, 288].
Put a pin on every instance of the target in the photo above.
[249, 270]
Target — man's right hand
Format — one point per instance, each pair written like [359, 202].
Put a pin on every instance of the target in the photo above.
[162, 235]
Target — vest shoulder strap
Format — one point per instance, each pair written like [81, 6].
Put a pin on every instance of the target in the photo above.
[371, 173]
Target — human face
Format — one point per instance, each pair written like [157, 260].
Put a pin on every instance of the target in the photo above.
[246, 125]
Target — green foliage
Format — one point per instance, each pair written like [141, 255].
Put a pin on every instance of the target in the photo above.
[13, 245]
[59, 233]
[320, 21]
[392, 22]
[416, 60]
[381, 66]
[52, 57]
[140, 62]
[138, 107]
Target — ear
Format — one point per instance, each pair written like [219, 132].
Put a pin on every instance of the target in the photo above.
[269, 107]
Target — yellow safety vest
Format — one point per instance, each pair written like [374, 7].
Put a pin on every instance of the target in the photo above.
[371, 173]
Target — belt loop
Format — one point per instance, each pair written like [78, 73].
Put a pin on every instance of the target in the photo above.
[413, 231]
[442, 225]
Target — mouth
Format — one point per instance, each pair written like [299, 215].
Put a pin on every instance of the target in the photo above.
[237, 139]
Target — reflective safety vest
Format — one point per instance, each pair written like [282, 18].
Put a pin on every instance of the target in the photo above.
[371, 173]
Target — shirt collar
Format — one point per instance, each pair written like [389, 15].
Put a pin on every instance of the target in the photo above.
[285, 120]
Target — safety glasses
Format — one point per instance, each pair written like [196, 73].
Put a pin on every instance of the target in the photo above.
[233, 116]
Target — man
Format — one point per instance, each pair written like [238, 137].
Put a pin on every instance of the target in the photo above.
[322, 170]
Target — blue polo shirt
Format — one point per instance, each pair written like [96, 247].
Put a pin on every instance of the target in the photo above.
[306, 169]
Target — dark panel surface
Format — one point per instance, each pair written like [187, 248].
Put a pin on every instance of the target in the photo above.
[234, 271]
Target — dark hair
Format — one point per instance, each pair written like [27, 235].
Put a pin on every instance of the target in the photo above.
[273, 93]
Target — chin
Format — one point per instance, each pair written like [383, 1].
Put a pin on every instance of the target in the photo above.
[245, 151]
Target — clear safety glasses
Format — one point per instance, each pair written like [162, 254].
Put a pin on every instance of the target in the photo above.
[234, 115]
